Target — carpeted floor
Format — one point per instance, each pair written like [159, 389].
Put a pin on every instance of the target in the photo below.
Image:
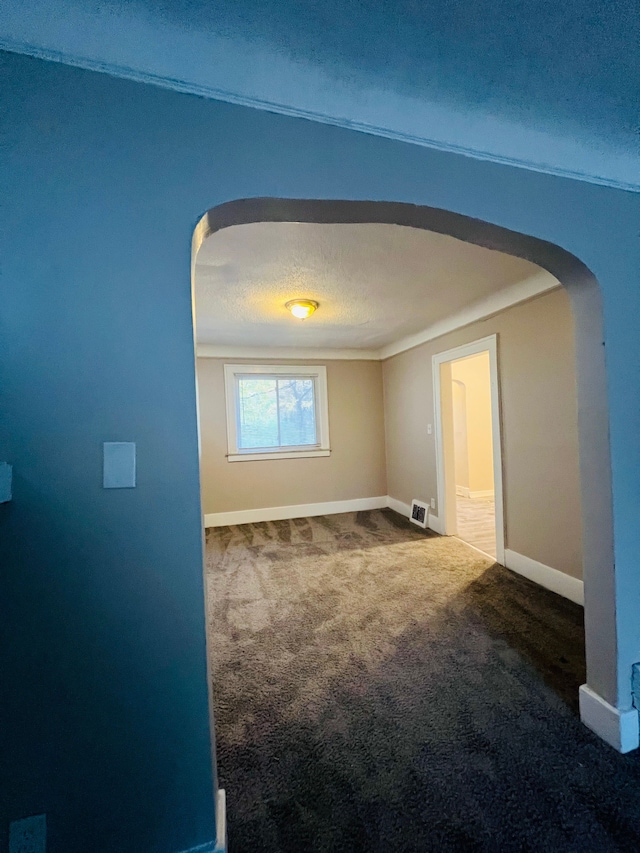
[384, 690]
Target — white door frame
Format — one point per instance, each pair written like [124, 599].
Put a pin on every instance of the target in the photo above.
[490, 345]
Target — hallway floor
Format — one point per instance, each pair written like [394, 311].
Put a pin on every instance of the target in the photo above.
[476, 519]
[378, 688]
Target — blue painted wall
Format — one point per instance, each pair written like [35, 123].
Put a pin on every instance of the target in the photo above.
[104, 715]
[551, 84]
[521, 59]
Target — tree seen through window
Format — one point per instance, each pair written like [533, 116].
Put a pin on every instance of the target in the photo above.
[276, 411]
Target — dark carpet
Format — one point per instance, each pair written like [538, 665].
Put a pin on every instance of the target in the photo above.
[383, 690]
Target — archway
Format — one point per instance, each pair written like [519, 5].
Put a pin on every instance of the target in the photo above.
[583, 290]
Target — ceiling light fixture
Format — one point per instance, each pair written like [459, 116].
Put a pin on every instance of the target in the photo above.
[301, 308]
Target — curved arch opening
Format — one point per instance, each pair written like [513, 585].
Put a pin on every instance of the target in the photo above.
[583, 291]
[592, 407]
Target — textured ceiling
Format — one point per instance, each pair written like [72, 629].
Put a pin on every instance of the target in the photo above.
[375, 283]
[550, 84]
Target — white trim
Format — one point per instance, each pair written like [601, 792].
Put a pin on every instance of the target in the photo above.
[434, 523]
[462, 491]
[522, 291]
[486, 493]
[289, 353]
[221, 822]
[618, 728]
[399, 506]
[490, 345]
[278, 513]
[559, 582]
[276, 454]
[115, 69]
[319, 374]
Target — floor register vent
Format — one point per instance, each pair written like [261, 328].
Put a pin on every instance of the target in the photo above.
[419, 513]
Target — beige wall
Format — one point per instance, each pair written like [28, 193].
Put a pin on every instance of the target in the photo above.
[460, 438]
[539, 426]
[539, 433]
[474, 376]
[355, 468]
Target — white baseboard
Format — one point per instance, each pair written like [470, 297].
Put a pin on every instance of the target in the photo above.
[618, 728]
[433, 522]
[398, 506]
[278, 513]
[221, 822]
[547, 577]
[209, 847]
[462, 491]
[220, 844]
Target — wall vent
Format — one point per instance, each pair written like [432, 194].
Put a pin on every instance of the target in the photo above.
[419, 513]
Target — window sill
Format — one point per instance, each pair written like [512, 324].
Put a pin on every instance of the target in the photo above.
[276, 454]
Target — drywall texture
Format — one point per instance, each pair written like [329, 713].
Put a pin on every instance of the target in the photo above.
[539, 427]
[246, 273]
[475, 430]
[502, 79]
[355, 469]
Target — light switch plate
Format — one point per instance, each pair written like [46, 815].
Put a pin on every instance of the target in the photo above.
[28, 835]
[119, 465]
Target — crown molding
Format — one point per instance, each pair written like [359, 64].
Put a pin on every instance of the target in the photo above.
[537, 284]
[117, 69]
[290, 353]
[522, 291]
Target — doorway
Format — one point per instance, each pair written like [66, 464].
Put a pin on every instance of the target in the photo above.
[468, 447]
[584, 292]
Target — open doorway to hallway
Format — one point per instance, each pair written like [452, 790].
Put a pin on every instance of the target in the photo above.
[473, 452]
[468, 445]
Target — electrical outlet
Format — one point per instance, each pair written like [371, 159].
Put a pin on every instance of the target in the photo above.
[433, 503]
[28, 835]
[429, 429]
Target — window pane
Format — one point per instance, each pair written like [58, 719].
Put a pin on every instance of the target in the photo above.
[296, 402]
[257, 413]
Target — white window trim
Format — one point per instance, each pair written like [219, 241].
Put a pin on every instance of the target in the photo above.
[318, 372]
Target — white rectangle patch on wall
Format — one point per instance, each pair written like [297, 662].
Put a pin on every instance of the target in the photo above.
[119, 465]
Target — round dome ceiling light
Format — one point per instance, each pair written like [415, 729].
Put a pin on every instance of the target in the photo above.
[301, 308]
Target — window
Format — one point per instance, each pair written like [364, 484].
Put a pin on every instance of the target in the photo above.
[276, 411]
